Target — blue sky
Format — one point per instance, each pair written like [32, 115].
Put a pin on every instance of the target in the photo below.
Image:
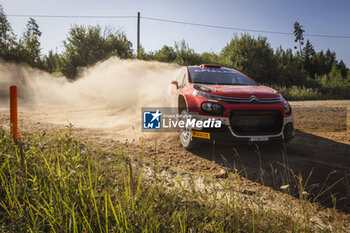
[317, 17]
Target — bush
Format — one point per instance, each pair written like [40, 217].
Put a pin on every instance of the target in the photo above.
[299, 93]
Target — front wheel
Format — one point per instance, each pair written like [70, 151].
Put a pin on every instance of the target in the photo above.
[185, 133]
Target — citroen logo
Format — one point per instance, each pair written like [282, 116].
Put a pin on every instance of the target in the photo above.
[253, 98]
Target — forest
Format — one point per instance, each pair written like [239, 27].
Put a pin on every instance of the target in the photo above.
[299, 73]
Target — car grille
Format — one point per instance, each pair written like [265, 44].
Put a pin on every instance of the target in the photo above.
[256, 122]
[239, 100]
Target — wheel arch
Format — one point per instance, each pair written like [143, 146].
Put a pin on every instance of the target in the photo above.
[182, 103]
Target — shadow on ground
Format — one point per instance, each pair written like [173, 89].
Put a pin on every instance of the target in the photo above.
[321, 164]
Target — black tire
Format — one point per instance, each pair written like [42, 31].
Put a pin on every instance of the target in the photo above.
[288, 133]
[185, 134]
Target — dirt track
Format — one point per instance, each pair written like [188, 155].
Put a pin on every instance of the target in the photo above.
[320, 150]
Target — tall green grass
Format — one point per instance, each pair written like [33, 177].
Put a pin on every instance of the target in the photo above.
[58, 184]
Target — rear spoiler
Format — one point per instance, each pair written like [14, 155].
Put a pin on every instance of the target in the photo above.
[211, 66]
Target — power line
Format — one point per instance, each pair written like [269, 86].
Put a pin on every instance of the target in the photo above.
[215, 26]
[243, 29]
[75, 16]
[178, 22]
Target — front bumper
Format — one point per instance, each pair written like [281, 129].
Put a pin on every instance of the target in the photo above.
[226, 135]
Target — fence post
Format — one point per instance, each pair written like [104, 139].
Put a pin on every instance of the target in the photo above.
[13, 112]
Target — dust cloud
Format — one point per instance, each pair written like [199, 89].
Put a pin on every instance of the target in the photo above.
[108, 95]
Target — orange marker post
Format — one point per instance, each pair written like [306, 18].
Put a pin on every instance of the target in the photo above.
[13, 112]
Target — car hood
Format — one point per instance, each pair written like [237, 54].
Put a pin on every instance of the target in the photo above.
[242, 91]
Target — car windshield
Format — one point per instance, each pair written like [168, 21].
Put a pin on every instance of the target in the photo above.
[219, 77]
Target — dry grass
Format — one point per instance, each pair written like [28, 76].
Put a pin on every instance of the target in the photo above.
[57, 184]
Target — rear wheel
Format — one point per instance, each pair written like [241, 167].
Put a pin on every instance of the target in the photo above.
[185, 133]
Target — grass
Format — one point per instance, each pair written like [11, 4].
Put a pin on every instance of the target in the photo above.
[58, 184]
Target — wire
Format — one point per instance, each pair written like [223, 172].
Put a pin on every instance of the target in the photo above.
[178, 22]
[243, 29]
[214, 26]
[76, 16]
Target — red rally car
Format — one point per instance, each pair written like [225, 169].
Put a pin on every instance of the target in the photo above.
[249, 112]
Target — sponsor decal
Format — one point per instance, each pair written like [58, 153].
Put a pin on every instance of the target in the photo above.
[212, 70]
[198, 134]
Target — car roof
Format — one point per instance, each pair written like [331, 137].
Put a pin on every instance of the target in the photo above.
[217, 68]
[209, 66]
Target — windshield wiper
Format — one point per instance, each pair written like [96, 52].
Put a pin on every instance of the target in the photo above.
[217, 83]
[243, 84]
[205, 83]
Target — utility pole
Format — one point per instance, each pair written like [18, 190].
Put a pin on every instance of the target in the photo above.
[138, 34]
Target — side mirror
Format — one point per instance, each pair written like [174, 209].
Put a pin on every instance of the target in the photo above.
[175, 83]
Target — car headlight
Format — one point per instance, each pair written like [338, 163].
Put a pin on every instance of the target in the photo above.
[287, 108]
[213, 108]
[201, 88]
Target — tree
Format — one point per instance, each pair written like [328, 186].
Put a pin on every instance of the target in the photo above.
[332, 80]
[335, 75]
[185, 55]
[7, 38]
[209, 58]
[29, 45]
[298, 34]
[253, 57]
[288, 68]
[308, 52]
[166, 54]
[87, 45]
[143, 55]
[343, 69]
[52, 62]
